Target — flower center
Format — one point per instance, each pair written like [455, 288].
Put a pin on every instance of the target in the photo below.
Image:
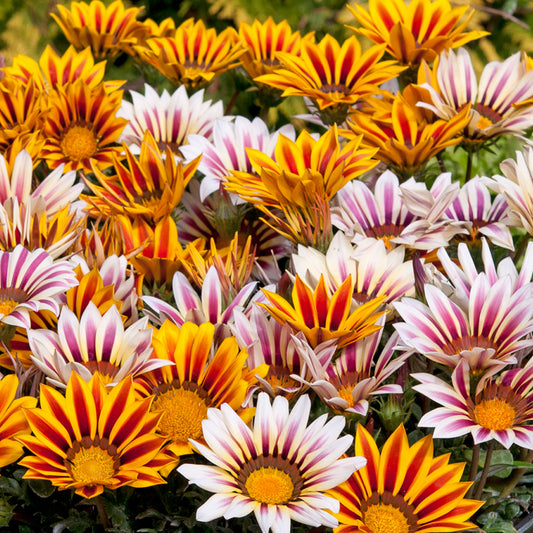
[269, 485]
[10, 298]
[78, 143]
[92, 466]
[385, 518]
[184, 411]
[495, 414]
[7, 305]
[488, 116]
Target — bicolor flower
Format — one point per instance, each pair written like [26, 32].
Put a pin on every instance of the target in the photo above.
[278, 469]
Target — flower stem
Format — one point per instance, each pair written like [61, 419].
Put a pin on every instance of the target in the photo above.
[102, 513]
[469, 161]
[231, 103]
[473, 469]
[485, 473]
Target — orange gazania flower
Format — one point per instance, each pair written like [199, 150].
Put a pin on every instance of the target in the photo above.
[53, 70]
[414, 31]
[322, 316]
[404, 135]
[199, 378]
[334, 76]
[150, 186]
[404, 487]
[194, 55]
[264, 41]
[13, 423]
[301, 181]
[21, 111]
[93, 438]
[107, 30]
[82, 128]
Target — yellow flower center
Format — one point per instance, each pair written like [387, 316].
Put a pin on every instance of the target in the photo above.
[7, 305]
[92, 466]
[484, 123]
[78, 143]
[269, 485]
[184, 412]
[495, 414]
[384, 518]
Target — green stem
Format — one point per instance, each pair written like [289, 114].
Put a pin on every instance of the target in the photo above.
[521, 249]
[517, 474]
[473, 469]
[469, 161]
[231, 103]
[485, 472]
[102, 513]
[442, 165]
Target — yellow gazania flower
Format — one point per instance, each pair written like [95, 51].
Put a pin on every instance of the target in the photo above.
[197, 380]
[91, 288]
[53, 70]
[93, 438]
[22, 108]
[414, 31]
[403, 489]
[264, 41]
[194, 55]
[334, 76]
[322, 316]
[405, 138]
[13, 423]
[301, 181]
[107, 30]
[150, 186]
[81, 128]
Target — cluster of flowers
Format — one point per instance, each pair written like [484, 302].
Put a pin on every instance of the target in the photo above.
[175, 280]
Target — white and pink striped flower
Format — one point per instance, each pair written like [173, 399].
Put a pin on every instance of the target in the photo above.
[169, 117]
[278, 469]
[31, 281]
[501, 407]
[502, 85]
[93, 344]
[486, 329]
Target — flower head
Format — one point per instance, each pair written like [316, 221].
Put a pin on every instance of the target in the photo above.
[403, 489]
[93, 438]
[278, 469]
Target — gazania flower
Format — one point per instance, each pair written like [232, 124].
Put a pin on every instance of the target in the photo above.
[419, 30]
[228, 149]
[264, 41]
[170, 118]
[404, 137]
[22, 109]
[31, 281]
[322, 315]
[348, 383]
[209, 306]
[53, 70]
[300, 182]
[500, 407]
[278, 469]
[150, 186]
[403, 489]
[96, 343]
[94, 437]
[107, 30]
[480, 215]
[486, 330]
[407, 214]
[516, 186]
[12, 420]
[196, 377]
[81, 128]
[335, 76]
[194, 55]
[494, 100]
